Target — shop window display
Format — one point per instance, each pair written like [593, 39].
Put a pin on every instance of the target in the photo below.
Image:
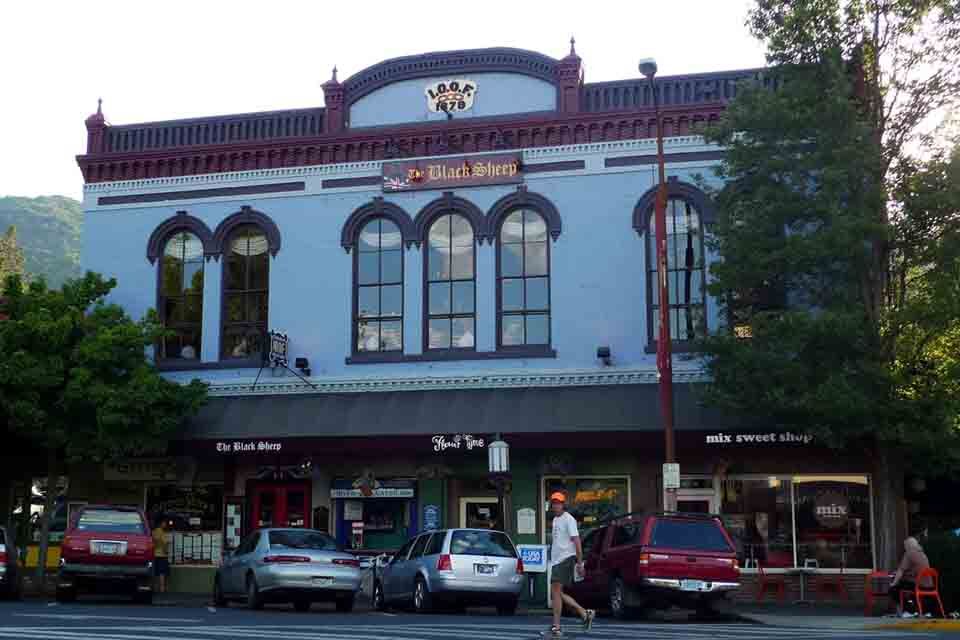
[590, 500]
[195, 514]
[833, 521]
[758, 515]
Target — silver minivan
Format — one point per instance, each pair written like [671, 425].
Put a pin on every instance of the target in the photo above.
[453, 567]
[301, 566]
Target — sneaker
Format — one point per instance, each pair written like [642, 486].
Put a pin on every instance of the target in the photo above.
[928, 615]
[588, 619]
[556, 632]
[907, 614]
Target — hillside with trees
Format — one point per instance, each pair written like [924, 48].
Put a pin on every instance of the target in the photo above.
[48, 232]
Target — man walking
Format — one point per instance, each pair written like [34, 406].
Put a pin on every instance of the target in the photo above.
[566, 564]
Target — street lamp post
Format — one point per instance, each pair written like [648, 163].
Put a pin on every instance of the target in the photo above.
[648, 67]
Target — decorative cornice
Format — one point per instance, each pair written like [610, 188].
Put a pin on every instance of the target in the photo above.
[572, 378]
[676, 145]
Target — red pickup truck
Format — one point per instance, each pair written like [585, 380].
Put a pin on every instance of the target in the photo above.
[645, 561]
[106, 547]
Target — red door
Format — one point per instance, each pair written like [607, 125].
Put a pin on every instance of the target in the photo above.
[279, 505]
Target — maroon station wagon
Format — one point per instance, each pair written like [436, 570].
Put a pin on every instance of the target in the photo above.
[657, 560]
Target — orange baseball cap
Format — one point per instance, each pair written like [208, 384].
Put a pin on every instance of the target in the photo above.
[558, 497]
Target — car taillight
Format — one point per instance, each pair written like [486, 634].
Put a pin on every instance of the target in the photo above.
[3, 558]
[285, 559]
[519, 566]
[444, 563]
[347, 562]
[643, 561]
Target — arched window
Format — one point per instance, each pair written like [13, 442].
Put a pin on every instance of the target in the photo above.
[378, 288]
[181, 296]
[686, 275]
[523, 280]
[451, 284]
[246, 292]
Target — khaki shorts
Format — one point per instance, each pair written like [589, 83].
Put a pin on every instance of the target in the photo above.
[562, 572]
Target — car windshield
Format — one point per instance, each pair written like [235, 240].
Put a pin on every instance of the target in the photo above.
[482, 543]
[302, 540]
[110, 521]
[690, 535]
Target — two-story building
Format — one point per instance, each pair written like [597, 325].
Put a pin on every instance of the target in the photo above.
[446, 246]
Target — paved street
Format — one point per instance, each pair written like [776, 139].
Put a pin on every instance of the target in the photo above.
[115, 621]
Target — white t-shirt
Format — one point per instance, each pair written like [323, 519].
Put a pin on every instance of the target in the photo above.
[564, 531]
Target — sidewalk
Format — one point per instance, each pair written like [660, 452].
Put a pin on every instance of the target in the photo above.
[835, 617]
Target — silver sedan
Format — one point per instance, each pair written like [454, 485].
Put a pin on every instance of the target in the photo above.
[301, 566]
[457, 567]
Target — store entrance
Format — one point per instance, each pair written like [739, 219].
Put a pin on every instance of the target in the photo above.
[279, 505]
[479, 513]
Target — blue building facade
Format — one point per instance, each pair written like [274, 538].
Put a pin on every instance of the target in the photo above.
[445, 246]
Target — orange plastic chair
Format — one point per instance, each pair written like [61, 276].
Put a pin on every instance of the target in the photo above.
[920, 592]
[772, 584]
[823, 583]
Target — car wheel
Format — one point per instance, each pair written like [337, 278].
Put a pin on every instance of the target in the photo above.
[345, 605]
[507, 608]
[422, 601]
[714, 608]
[143, 597]
[66, 595]
[219, 600]
[254, 601]
[302, 605]
[618, 599]
[379, 601]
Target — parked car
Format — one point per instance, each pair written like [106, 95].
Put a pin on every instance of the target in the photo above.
[642, 561]
[106, 548]
[301, 566]
[462, 567]
[9, 565]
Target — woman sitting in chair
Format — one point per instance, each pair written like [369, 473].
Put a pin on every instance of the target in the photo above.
[914, 561]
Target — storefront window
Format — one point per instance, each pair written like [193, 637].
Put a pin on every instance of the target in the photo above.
[813, 521]
[196, 517]
[833, 521]
[591, 500]
[374, 515]
[758, 515]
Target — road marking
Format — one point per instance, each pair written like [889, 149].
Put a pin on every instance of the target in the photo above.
[83, 616]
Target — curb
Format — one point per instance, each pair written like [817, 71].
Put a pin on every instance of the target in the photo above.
[919, 625]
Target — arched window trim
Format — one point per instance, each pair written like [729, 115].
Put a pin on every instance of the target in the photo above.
[376, 356]
[156, 247]
[449, 203]
[376, 208]
[500, 215]
[182, 221]
[246, 215]
[675, 190]
[685, 196]
[430, 220]
[523, 199]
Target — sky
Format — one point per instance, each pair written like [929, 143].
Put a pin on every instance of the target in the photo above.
[162, 61]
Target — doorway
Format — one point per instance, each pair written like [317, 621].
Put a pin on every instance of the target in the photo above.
[279, 505]
[479, 513]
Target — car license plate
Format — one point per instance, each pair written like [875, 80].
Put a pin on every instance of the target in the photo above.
[485, 569]
[107, 548]
[691, 585]
[322, 582]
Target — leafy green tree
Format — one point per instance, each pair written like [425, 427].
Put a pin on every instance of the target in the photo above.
[11, 256]
[48, 229]
[838, 225]
[74, 379]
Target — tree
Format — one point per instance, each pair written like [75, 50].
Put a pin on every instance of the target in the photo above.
[74, 379]
[838, 226]
[11, 256]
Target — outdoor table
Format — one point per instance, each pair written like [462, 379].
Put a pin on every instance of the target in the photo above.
[803, 572]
